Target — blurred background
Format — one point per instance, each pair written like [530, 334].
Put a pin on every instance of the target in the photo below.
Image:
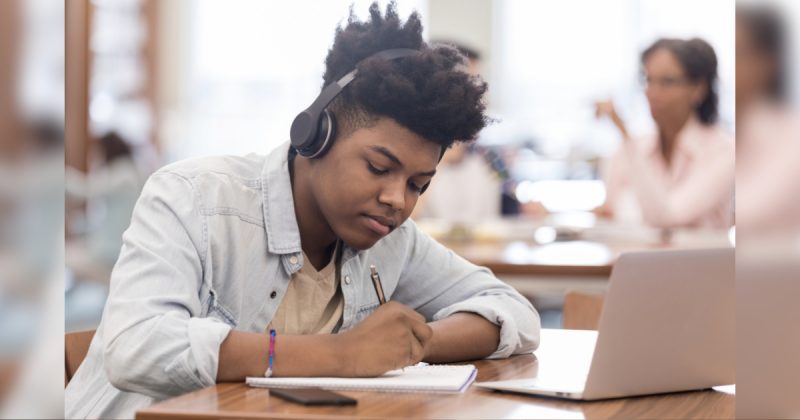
[176, 78]
[32, 66]
[168, 80]
[114, 89]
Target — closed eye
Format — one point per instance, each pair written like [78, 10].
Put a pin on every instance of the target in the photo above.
[411, 185]
[416, 189]
[375, 170]
[424, 187]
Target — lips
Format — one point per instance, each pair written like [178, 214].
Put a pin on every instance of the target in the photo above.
[380, 225]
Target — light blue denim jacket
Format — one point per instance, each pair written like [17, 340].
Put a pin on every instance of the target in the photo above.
[212, 245]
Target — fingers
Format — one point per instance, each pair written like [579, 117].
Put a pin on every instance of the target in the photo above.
[412, 314]
[420, 329]
[422, 332]
[411, 336]
[604, 108]
[416, 353]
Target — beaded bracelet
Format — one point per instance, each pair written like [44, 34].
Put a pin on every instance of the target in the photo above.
[272, 334]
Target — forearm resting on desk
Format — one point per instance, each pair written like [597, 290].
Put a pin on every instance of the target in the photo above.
[462, 336]
[394, 336]
[245, 354]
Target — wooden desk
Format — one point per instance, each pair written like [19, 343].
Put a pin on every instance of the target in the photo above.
[561, 351]
[580, 259]
[526, 258]
[591, 253]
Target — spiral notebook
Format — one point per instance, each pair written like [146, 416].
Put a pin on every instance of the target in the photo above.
[419, 378]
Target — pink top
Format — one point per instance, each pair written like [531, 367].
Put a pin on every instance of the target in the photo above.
[767, 169]
[696, 190]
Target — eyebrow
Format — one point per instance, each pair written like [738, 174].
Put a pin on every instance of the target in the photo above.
[384, 151]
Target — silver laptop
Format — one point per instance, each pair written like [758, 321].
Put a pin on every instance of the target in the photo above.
[667, 325]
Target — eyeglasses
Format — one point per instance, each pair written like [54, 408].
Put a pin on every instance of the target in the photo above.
[663, 82]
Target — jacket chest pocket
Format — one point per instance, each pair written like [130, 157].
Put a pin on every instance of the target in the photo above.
[213, 308]
[364, 312]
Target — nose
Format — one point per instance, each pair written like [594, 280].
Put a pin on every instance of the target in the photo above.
[654, 95]
[652, 89]
[393, 195]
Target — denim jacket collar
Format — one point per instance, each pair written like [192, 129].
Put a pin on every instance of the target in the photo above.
[280, 222]
[283, 235]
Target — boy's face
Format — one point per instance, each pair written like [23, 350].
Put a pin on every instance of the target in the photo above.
[369, 182]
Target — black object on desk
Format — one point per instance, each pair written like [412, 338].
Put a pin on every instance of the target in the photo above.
[312, 396]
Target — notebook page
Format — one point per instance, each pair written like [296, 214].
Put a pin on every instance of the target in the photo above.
[426, 378]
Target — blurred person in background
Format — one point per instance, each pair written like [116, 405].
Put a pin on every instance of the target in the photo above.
[682, 175]
[767, 211]
[110, 189]
[768, 132]
[467, 190]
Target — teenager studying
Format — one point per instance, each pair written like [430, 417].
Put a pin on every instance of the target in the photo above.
[232, 262]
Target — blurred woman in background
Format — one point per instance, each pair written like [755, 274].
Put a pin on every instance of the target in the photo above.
[682, 175]
[768, 132]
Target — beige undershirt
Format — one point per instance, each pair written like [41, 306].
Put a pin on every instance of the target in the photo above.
[313, 302]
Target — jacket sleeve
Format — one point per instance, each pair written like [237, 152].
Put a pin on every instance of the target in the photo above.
[157, 338]
[438, 283]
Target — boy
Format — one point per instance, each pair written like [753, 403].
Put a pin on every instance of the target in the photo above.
[221, 250]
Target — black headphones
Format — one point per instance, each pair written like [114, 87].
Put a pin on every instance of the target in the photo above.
[313, 130]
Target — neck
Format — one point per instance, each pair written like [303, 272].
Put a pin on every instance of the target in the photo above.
[668, 135]
[316, 236]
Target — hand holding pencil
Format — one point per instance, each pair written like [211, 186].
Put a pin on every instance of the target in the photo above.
[392, 337]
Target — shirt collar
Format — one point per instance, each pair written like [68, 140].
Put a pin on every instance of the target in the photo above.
[689, 140]
[280, 222]
[283, 235]
[692, 136]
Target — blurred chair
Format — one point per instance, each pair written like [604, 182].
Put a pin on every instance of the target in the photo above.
[76, 345]
[582, 310]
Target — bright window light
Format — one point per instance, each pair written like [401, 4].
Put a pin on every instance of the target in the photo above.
[252, 66]
[563, 195]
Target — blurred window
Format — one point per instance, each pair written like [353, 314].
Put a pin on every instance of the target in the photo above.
[556, 58]
[252, 66]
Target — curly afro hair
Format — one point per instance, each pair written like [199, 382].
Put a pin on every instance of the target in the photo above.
[430, 93]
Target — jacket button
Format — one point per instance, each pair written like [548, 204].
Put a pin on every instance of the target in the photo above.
[293, 259]
[273, 294]
[346, 279]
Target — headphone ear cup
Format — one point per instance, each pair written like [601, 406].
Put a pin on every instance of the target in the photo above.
[303, 134]
[326, 133]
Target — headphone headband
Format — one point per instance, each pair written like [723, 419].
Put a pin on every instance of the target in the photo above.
[304, 134]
